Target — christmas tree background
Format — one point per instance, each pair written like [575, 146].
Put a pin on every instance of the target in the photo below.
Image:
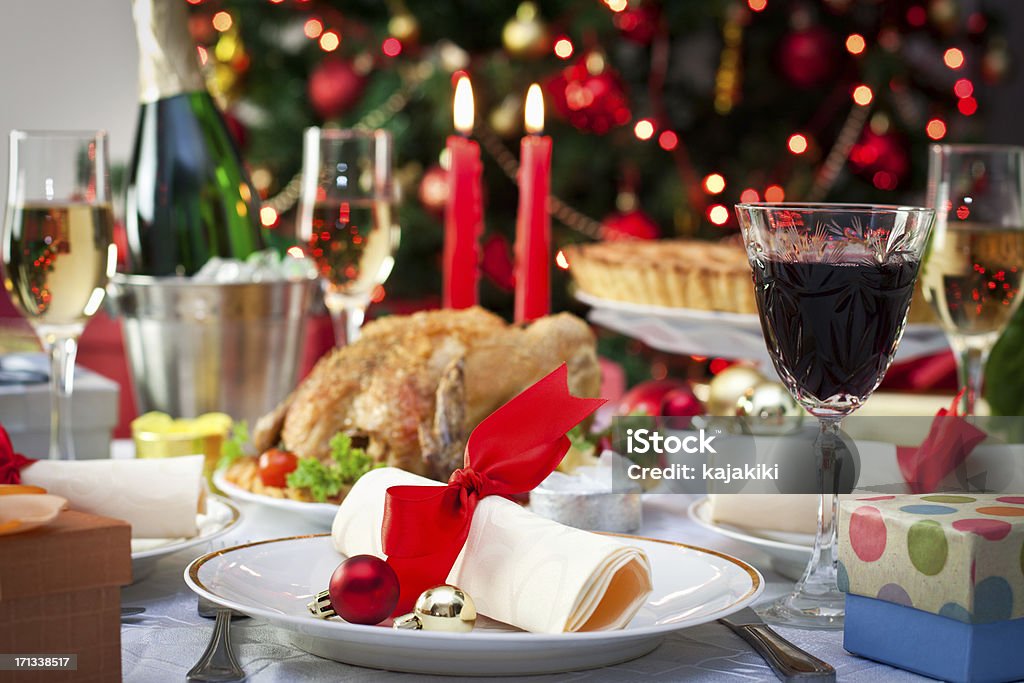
[663, 114]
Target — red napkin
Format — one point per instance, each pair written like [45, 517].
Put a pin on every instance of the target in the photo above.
[949, 442]
[510, 452]
[11, 463]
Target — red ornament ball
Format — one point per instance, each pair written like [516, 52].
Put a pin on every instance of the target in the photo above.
[629, 225]
[364, 590]
[334, 86]
[808, 58]
[638, 23]
[881, 159]
[590, 95]
[433, 189]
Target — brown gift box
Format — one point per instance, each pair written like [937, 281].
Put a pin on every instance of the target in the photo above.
[60, 595]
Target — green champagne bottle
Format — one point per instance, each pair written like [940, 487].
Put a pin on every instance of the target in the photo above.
[189, 197]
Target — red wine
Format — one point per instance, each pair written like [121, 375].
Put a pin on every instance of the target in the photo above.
[832, 328]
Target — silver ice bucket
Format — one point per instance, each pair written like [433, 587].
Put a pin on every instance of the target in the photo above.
[198, 347]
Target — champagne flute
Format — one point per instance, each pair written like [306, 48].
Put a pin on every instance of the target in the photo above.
[347, 217]
[58, 250]
[833, 284]
[972, 271]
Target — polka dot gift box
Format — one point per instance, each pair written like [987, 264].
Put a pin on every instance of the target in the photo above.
[935, 583]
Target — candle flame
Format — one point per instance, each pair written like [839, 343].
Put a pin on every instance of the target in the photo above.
[534, 110]
[463, 109]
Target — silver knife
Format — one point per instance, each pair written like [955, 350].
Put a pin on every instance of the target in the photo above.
[789, 662]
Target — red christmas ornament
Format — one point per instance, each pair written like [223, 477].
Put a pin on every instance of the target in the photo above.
[629, 225]
[364, 590]
[590, 95]
[433, 189]
[334, 86]
[808, 57]
[638, 23]
[881, 159]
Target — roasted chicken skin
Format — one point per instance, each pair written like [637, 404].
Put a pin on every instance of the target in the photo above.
[413, 387]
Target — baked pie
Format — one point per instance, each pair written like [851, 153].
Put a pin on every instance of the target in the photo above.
[678, 273]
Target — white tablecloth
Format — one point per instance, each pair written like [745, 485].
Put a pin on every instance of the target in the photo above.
[163, 643]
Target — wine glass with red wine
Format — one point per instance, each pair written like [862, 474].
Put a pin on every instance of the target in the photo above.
[833, 284]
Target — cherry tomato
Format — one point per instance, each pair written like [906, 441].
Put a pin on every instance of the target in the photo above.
[275, 465]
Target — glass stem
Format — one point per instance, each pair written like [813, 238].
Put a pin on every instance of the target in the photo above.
[62, 372]
[347, 320]
[970, 365]
[820, 576]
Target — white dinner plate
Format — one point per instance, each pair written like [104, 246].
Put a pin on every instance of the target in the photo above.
[718, 333]
[321, 514]
[274, 580]
[789, 552]
[221, 516]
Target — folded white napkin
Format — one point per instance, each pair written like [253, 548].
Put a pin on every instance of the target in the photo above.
[790, 513]
[521, 569]
[159, 497]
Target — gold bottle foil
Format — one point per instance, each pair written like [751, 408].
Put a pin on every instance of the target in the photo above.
[167, 55]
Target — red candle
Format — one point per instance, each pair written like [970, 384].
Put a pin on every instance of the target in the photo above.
[533, 225]
[463, 216]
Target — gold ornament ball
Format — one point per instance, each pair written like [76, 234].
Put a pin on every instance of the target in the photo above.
[404, 27]
[445, 608]
[728, 386]
[506, 117]
[525, 35]
[769, 409]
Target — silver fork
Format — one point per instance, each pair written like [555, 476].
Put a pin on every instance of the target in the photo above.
[218, 663]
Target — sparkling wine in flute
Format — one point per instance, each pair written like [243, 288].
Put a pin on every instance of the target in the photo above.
[351, 243]
[972, 277]
[58, 261]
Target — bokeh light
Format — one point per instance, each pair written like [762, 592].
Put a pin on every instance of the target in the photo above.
[936, 129]
[718, 214]
[668, 140]
[222, 21]
[855, 43]
[954, 58]
[757, 5]
[917, 15]
[963, 88]
[644, 129]
[392, 47]
[750, 195]
[714, 183]
[561, 261]
[313, 28]
[967, 106]
[563, 48]
[797, 143]
[268, 216]
[330, 41]
[862, 95]
[774, 193]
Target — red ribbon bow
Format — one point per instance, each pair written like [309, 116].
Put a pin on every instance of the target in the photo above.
[11, 463]
[510, 452]
[950, 440]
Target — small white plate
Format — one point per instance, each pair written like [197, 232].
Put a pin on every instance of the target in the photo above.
[221, 516]
[789, 552]
[275, 579]
[322, 514]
